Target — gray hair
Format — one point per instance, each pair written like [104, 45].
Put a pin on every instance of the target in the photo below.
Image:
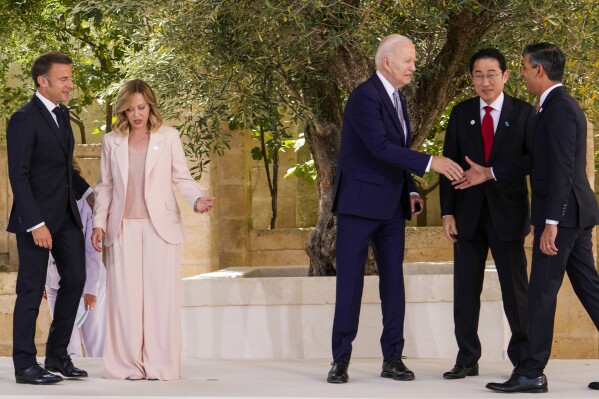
[386, 47]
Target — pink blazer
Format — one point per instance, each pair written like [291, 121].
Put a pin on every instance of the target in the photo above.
[166, 167]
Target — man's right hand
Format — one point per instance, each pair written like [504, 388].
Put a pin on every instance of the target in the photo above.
[42, 237]
[447, 167]
[449, 228]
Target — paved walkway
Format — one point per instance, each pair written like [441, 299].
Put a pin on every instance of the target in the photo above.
[304, 379]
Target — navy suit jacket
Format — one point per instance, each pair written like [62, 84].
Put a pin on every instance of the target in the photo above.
[511, 159]
[375, 163]
[40, 167]
[560, 187]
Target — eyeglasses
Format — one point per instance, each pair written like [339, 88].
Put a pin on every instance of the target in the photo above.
[481, 78]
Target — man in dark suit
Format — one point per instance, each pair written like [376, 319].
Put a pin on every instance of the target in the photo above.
[491, 129]
[45, 218]
[563, 213]
[374, 193]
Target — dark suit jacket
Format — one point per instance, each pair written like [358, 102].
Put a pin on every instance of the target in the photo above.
[560, 188]
[507, 197]
[375, 163]
[43, 181]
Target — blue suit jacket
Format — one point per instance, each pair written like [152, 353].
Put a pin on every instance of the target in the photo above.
[375, 163]
[560, 187]
[40, 169]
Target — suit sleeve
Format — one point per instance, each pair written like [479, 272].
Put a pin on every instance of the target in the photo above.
[520, 166]
[103, 189]
[447, 192]
[80, 186]
[562, 154]
[20, 142]
[364, 112]
[180, 174]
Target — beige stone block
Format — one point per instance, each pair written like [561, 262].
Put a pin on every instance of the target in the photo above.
[575, 348]
[282, 258]
[233, 258]
[278, 239]
[233, 235]
[8, 282]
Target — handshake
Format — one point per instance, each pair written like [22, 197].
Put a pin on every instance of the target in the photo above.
[461, 179]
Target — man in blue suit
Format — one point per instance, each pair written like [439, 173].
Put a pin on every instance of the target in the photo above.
[45, 219]
[373, 196]
[564, 212]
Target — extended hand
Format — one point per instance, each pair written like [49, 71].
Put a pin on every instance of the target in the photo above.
[477, 174]
[447, 167]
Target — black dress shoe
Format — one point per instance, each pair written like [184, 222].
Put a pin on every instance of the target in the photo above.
[594, 385]
[338, 373]
[36, 375]
[458, 372]
[519, 383]
[394, 368]
[64, 366]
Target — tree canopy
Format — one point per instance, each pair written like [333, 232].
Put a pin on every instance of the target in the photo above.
[222, 65]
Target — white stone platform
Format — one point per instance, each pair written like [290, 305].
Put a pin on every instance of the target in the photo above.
[222, 379]
[277, 313]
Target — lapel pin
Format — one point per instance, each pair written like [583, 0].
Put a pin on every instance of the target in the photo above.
[507, 124]
[472, 122]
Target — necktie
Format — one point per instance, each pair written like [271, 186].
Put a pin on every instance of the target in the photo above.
[61, 123]
[397, 105]
[487, 131]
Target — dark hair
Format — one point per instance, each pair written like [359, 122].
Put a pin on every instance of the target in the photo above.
[548, 55]
[488, 53]
[43, 63]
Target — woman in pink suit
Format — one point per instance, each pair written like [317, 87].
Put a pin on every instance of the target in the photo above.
[135, 208]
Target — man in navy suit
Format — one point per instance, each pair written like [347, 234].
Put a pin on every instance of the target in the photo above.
[563, 212]
[493, 215]
[45, 218]
[374, 193]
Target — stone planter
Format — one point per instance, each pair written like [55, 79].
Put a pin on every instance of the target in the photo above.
[278, 313]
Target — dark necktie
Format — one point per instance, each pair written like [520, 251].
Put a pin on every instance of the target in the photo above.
[61, 123]
[487, 132]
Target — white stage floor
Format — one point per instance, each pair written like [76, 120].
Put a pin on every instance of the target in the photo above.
[304, 379]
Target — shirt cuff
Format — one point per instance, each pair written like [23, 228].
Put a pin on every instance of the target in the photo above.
[493, 173]
[414, 193]
[428, 167]
[549, 221]
[35, 227]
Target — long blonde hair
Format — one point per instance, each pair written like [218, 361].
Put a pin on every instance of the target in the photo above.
[123, 100]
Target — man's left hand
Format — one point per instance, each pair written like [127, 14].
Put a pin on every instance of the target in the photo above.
[417, 204]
